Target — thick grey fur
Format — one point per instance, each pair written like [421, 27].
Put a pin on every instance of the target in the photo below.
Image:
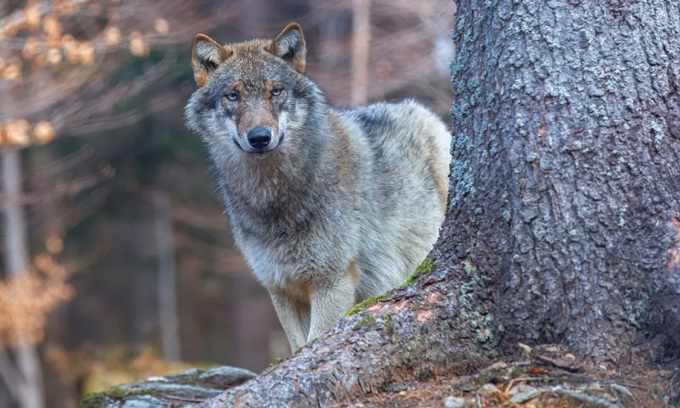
[345, 204]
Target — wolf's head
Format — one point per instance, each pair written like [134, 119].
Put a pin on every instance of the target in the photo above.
[251, 95]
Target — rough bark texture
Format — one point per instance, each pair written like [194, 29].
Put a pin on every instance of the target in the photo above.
[566, 172]
[564, 218]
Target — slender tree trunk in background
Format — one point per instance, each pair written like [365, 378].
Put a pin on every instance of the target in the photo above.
[16, 257]
[30, 390]
[361, 47]
[167, 286]
[564, 211]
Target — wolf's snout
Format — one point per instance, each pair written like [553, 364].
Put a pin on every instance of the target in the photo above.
[259, 137]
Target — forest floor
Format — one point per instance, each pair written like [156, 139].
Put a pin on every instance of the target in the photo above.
[535, 384]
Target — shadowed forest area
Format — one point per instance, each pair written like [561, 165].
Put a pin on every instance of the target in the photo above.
[117, 262]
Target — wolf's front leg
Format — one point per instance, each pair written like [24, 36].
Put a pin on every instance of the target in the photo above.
[294, 320]
[330, 301]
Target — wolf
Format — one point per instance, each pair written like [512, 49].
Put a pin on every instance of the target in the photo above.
[328, 206]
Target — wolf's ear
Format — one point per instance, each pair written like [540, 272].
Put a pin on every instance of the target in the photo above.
[206, 55]
[290, 45]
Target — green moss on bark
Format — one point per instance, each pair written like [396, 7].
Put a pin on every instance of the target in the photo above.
[117, 394]
[421, 271]
[365, 304]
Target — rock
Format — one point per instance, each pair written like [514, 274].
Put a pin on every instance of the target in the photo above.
[190, 387]
[488, 390]
[523, 393]
[453, 402]
[593, 387]
[621, 389]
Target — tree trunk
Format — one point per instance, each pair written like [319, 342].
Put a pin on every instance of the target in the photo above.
[566, 177]
[167, 278]
[361, 47]
[28, 374]
[564, 217]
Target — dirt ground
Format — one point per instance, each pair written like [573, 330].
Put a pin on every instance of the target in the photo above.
[532, 384]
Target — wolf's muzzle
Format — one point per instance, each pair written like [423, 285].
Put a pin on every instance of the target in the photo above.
[259, 137]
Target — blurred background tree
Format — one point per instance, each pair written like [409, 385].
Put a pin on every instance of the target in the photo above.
[117, 260]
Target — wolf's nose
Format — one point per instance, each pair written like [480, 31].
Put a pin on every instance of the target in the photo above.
[259, 137]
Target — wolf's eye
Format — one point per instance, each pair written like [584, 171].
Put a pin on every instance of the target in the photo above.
[232, 96]
[277, 91]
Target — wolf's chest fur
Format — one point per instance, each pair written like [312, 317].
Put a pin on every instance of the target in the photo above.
[289, 226]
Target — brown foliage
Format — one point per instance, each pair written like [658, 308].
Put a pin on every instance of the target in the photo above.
[54, 51]
[27, 299]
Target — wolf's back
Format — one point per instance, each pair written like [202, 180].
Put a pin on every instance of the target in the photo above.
[406, 139]
[404, 192]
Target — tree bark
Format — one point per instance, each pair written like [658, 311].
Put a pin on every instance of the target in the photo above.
[564, 208]
[565, 177]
